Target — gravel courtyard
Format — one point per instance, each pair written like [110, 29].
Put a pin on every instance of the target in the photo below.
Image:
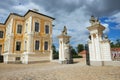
[55, 71]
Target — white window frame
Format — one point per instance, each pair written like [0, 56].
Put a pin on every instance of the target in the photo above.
[44, 46]
[17, 29]
[2, 34]
[16, 45]
[47, 23]
[35, 44]
[48, 30]
[38, 21]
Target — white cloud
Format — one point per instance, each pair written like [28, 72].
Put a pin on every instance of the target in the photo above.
[76, 23]
[117, 27]
[3, 11]
[74, 14]
[106, 27]
[114, 18]
[3, 15]
[23, 8]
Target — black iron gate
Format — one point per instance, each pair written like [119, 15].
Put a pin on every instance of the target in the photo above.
[1, 58]
[87, 54]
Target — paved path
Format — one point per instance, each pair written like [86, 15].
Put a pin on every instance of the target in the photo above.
[55, 71]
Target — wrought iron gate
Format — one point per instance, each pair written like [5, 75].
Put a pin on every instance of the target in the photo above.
[87, 54]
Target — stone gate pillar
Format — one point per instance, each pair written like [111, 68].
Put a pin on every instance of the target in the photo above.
[64, 48]
[99, 45]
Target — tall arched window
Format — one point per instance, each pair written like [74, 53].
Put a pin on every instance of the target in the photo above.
[46, 45]
[36, 27]
[1, 34]
[46, 29]
[19, 28]
[37, 45]
[18, 46]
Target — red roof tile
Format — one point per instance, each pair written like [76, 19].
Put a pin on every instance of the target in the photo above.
[115, 49]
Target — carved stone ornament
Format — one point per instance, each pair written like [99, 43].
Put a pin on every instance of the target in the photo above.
[94, 21]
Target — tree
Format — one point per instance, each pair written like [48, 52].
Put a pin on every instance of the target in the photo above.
[80, 48]
[73, 51]
[115, 45]
[54, 49]
[112, 45]
[55, 52]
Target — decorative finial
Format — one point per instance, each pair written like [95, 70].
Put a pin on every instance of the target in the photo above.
[64, 31]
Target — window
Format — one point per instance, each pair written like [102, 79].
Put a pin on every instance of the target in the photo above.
[1, 34]
[18, 46]
[17, 58]
[0, 49]
[47, 29]
[19, 29]
[37, 45]
[36, 27]
[46, 45]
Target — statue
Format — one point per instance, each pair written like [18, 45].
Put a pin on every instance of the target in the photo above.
[64, 31]
[94, 21]
[106, 36]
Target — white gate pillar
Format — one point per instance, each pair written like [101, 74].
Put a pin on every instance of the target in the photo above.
[99, 46]
[64, 48]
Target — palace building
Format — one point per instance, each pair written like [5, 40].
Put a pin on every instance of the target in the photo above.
[26, 38]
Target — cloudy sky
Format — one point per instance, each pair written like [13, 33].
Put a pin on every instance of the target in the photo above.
[74, 14]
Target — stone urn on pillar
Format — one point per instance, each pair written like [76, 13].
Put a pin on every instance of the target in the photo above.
[65, 56]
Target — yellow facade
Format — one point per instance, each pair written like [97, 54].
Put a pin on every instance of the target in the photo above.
[2, 28]
[22, 33]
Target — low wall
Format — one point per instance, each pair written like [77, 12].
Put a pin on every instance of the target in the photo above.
[12, 58]
[33, 58]
[26, 58]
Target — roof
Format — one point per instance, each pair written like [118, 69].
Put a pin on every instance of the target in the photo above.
[12, 14]
[39, 14]
[115, 49]
[83, 52]
[1, 23]
[25, 15]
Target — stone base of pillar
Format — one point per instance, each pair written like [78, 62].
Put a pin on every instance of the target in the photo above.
[25, 57]
[105, 63]
[96, 63]
[66, 61]
[51, 55]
